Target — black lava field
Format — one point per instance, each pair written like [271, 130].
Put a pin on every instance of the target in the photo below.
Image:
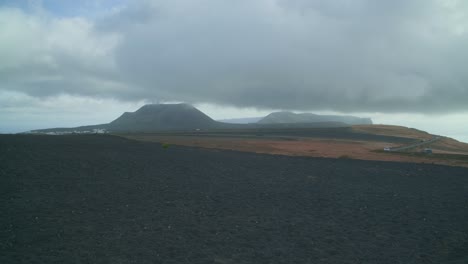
[105, 199]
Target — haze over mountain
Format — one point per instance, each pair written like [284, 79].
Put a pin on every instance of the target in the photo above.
[245, 120]
[290, 117]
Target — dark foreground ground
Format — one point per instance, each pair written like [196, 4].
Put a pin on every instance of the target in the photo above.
[104, 199]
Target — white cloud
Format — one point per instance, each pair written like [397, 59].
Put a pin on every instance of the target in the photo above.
[20, 112]
[42, 55]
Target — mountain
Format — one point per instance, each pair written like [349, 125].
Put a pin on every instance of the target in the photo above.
[290, 117]
[155, 117]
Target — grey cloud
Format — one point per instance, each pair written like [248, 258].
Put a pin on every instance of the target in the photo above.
[363, 55]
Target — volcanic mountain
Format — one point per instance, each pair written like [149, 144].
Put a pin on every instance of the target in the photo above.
[290, 117]
[154, 117]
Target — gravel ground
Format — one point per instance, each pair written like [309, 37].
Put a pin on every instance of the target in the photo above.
[104, 199]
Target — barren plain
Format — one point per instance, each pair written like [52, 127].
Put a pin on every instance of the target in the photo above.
[106, 199]
[365, 142]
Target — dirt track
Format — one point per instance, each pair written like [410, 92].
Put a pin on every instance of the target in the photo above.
[104, 199]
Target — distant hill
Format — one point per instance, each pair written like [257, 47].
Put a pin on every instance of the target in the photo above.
[290, 117]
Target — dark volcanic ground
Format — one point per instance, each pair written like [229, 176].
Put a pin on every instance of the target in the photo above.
[104, 199]
[341, 133]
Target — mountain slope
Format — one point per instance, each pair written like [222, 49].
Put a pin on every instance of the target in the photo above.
[290, 117]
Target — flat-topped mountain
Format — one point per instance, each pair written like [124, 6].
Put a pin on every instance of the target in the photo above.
[162, 117]
[290, 117]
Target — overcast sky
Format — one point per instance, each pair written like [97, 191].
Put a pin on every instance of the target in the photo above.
[67, 63]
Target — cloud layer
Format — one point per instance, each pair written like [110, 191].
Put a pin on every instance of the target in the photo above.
[341, 55]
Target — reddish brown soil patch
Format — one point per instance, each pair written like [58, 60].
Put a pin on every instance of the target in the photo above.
[364, 150]
[396, 131]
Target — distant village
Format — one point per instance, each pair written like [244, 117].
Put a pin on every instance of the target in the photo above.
[93, 131]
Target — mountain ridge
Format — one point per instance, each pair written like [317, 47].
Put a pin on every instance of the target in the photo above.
[173, 117]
